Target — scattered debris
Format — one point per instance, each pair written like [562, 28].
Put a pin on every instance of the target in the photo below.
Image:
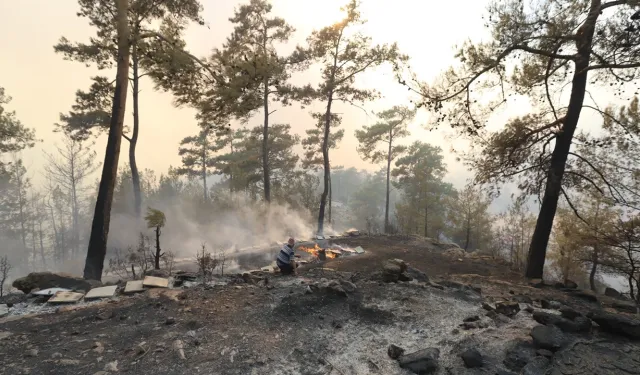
[133, 286]
[66, 297]
[102, 292]
[155, 282]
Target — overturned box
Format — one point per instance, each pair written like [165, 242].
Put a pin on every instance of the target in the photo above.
[155, 282]
[102, 292]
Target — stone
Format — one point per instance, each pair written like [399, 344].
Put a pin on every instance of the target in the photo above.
[472, 358]
[405, 277]
[105, 315]
[579, 324]
[570, 284]
[395, 351]
[169, 321]
[66, 297]
[617, 324]
[45, 280]
[111, 366]
[569, 313]
[400, 263]
[610, 292]
[523, 299]
[544, 353]
[548, 337]
[550, 305]
[156, 282]
[102, 292]
[4, 311]
[537, 366]
[491, 314]
[518, 356]
[417, 275]
[509, 309]
[56, 355]
[68, 362]
[470, 325]
[474, 318]
[628, 307]
[487, 306]
[586, 295]
[391, 271]
[422, 362]
[529, 309]
[31, 353]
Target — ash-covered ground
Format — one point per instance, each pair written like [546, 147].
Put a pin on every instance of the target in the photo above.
[337, 318]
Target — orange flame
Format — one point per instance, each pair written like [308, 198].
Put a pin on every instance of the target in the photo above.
[314, 251]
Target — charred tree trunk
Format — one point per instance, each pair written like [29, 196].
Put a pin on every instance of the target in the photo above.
[553, 189]
[327, 167]
[41, 235]
[133, 141]
[265, 143]
[204, 170]
[594, 269]
[386, 204]
[330, 198]
[426, 220]
[97, 248]
[158, 251]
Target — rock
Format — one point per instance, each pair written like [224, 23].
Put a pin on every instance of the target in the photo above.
[610, 292]
[537, 366]
[405, 277]
[628, 307]
[544, 353]
[417, 275]
[400, 263]
[421, 362]
[472, 358]
[46, 280]
[348, 286]
[550, 305]
[529, 309]
[586, 295]
[474, 318]
[4, 311]
[617, 324]
[580, 324]
[68, 362]
[509, 309]
[391, 270]
[487, 306]
[569, 313]
[31, 353]
[13, 298]
[158, 273]
[548, 337]
[105, 315]
[170, 321]
[98, 347]
[470, 325]
[523, 299]
[333, 287]
[570, 284]
[178, 346]
[491, 314]
[56, 355]
[111, 366]
[482, 324]
[518, 356]
[394, 351]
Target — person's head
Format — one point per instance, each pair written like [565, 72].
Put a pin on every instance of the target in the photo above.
[291, 241]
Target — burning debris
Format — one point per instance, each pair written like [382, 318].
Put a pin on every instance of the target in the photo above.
[330, 252]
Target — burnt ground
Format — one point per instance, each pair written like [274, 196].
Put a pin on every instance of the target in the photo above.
[285, 326]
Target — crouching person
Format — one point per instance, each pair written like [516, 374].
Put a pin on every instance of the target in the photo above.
[285, 259]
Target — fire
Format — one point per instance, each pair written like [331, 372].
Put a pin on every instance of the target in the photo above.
[316, 251]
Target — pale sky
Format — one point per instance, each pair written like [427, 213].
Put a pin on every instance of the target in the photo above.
[43, 85]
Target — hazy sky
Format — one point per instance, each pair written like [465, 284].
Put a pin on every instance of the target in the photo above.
[43, 85]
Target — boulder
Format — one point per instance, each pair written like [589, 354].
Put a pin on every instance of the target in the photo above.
[617, 324]
[46, 280]
[579, 324]
[400, 263]
[395, 351]
[537, 366]
[472, 358]
[518, 356]
[405, 277]
[417, 275]
[508, 308]
[586, 295]
[569, 313]
[548, 337]
[422, 362]
[610, 292]
[550, 305]
[391, 272]
[628, 307]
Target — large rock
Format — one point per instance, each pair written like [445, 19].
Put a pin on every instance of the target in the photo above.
[395, 351]
[472, 358]
[617, 324]
[417, 275]
[46, 280]
[548, 337]
[537, 366]
[610, 292]
[579, 324]
[518, 356]
[422, 362]
[392, 269]
[509, 309]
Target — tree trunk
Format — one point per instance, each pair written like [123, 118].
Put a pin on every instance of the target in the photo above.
[327, 167]
[75, 214]
[97, 248]
[330, 197]
[544, 223]
[386, 203]
[44, 262]
[158, 254]
[426, 220]
[204, 170]
[468, 235]
[133, 141]
[594, 269]
[265, 143]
